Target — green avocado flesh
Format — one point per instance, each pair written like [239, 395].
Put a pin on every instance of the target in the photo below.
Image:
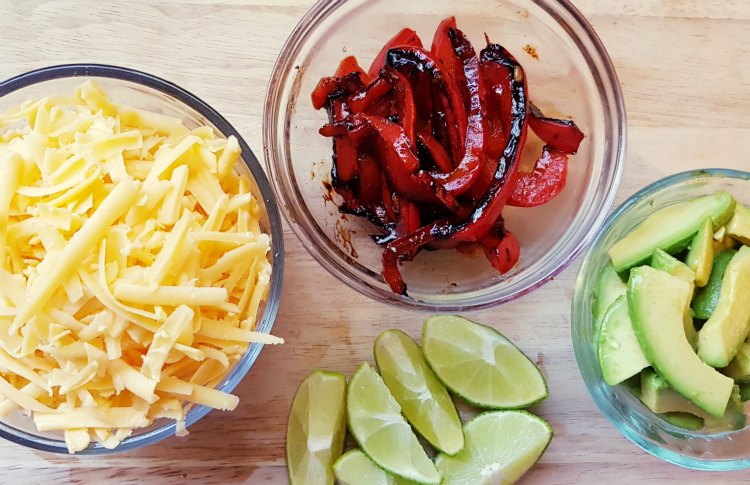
[656, 301]
[739, 225]
[660, 398]
[706, 298]
[723, 333]
[609, 287]
[700, 257]
[663, 261]
[684, 420]
[620, 354]
[739, 368]
[671, 228]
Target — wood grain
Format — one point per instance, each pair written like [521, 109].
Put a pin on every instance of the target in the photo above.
[686, 77]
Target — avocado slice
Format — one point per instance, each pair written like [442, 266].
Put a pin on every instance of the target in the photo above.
[739, 225]
[660, 398]
[700, 257]
[671, 229]
[620, 354]
[609, 287]
[656, 301]
[744, 391]
[687, 421]
[706, 298]
[723, 333]
[739, 368]
[723, 241]
[663, 261]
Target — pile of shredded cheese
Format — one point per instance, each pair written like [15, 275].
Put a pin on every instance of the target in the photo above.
[132, 266]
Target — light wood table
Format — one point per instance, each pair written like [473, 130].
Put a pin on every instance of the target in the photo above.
[685, 72]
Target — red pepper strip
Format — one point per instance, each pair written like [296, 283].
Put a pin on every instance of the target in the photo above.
[330, 92]
[349, 65]
[407, 110]
[344, 167]
[501, 249]
[450, 103]
[458, 181]
[442, 50]
[387, 196]
[562, 135]
[375, 214]
[370, 95]
[397, 159]
[498, 102]
[421, 86]
[405, 37]
[369, 180]
[408, 221]
[395, 250]
[334, 87]
[436, 151]
[391, 273]
[489, 208]
[544, 182]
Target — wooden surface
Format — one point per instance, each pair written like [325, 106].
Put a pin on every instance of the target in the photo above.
[686, 78]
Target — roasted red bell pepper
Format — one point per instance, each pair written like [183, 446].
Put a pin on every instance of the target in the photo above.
[501, 249]
[407, 110]
[369, 179]
[349, 65]
[398, 162]
[333, 87]
[563, 135]
[436, 151]
[427, 146]
[405, 37]
[499, 64]
[448, 107]
[490, 206]
[498, 82]
[443, 51]
[459, 180]
[344, 167]
[369, 95]
[544, 182]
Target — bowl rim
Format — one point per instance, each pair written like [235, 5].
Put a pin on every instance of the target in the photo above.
[270, 310]
[579, 288]
[608, 87]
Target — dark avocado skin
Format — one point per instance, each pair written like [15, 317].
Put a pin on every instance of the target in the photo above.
[706, 298]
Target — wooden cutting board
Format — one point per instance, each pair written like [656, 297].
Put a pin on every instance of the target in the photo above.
[685, 72]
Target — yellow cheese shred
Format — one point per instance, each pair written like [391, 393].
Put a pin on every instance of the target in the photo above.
[132, 267]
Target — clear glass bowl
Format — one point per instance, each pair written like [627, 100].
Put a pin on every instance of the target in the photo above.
[151, 93]
[573, 76]
[691, 449]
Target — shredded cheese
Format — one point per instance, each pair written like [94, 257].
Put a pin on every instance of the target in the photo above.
[132, 266]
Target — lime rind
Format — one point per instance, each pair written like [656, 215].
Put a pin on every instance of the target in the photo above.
[381, 431]
[316, 428]
[501, 446]
[423, 399]
[480, 364]
[355, 468]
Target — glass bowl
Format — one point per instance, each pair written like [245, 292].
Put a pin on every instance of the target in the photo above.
[573, 76]
[148, 92]
[691, 449]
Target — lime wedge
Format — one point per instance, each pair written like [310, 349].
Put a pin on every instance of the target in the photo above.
[381, 431]
[355, 468]
[317, 428]
[500, 447]
[423, 399]
[479, 364]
